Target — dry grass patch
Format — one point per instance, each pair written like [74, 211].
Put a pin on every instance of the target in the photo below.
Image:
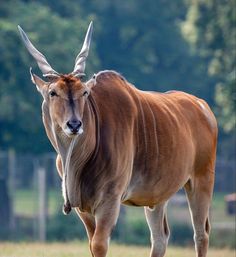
[75, 249]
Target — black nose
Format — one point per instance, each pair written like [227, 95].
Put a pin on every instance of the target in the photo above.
[74, 125]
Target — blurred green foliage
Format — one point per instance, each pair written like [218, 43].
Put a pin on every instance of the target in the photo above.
[60, 228]
[157, 45]
[210, 29]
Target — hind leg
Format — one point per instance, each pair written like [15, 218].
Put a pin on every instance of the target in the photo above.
[157, 222]
[199, 192]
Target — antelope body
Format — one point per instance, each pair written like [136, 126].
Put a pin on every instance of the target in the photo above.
[119, 145]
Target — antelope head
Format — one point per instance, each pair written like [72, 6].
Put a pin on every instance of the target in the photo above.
[64, 95]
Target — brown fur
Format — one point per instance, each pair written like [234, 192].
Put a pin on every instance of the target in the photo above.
[138, 148]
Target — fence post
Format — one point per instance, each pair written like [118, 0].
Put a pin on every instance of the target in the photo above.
[42, 215]
[12, 186]
[4, 201]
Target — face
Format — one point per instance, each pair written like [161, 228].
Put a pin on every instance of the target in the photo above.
[66, 99]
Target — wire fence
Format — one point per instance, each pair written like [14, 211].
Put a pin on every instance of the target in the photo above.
[30, 195]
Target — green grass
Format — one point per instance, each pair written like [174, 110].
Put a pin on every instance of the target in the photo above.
[218, 210]
[25, 202]
[136, 229]
[75, 249]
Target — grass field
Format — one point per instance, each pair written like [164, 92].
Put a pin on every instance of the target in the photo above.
[76, 249]
[134, 231]
[26, 203]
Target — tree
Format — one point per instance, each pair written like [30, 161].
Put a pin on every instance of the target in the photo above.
[142, 40]
[210, 28]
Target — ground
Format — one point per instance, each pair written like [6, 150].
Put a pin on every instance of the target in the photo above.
[75, 249]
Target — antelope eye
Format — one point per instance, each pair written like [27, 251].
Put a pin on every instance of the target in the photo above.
[52, 93]
[85, 93]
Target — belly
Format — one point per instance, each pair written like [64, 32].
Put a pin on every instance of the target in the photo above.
[155, 189]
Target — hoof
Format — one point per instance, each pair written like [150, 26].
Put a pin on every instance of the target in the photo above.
[66, 208]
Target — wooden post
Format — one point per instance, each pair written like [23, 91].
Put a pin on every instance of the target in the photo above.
[12, 186]
[5, 201]
[42, 215]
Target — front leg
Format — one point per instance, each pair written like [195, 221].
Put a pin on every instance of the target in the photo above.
[89, 224]
[106, 217]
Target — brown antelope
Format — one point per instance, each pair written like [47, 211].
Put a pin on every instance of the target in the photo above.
[120, 145]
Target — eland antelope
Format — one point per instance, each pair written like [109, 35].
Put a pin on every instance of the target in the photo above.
[118, 145]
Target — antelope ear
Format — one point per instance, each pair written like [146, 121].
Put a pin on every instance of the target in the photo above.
[91, 83]
[42, 86]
